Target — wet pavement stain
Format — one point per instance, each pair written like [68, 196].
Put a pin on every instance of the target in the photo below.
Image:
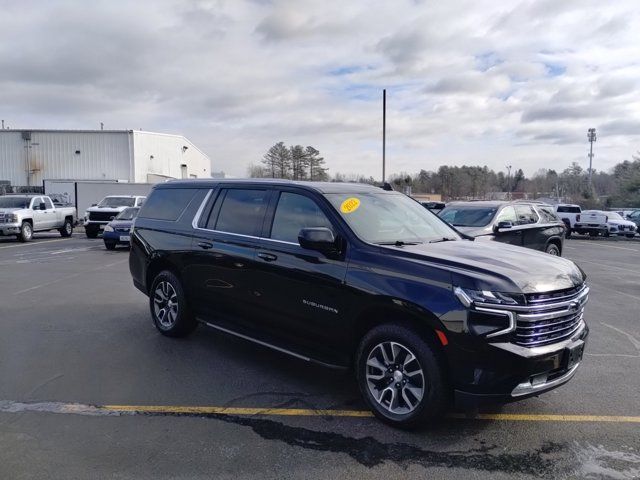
[370, 452]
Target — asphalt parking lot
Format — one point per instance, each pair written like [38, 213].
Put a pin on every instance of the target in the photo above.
[89, 389]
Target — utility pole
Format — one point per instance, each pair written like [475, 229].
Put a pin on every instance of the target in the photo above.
[591, 136]
[509, 181]
[384, 132]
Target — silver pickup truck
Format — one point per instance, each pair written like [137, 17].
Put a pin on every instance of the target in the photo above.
[21, 215]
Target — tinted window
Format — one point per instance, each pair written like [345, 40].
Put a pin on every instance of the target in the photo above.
[128, 213]
[117, 202]
[48, 203]
[241, 212]
[468, 216]
[568, 209]
[167, 203]
[507, 214]
[293, 213]
[526, 214]
[547, 215]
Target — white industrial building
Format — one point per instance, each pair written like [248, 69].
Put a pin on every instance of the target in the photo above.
[29, 157]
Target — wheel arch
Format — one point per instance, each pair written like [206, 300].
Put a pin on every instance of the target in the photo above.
[555, 241]
[157, 265]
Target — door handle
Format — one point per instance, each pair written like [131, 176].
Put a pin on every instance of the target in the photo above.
[518, 232]
[267, 257]
[205, 245]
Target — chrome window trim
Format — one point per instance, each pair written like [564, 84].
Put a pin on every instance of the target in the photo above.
[200, 211]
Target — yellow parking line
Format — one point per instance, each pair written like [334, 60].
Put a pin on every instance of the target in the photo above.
[303, 412]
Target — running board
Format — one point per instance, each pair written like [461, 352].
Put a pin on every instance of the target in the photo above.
[271, 346]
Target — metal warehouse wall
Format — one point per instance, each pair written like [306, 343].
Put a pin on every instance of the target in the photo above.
[161, 155]
[81, 155]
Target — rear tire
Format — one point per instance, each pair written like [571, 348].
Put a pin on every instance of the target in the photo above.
[401, 376]
[168, 304]
[67, 228]
[26, 232]
[552, 249]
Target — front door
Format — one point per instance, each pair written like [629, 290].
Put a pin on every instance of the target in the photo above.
[511, 235]
[301, 292]
[40, 216]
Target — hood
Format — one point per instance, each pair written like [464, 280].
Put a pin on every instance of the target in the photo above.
[621, 222]
[121, 223]
[497, 266]
[475, 231]
[11, 210]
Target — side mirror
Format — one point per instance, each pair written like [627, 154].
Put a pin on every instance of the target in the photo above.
[502, 226]
[112, 217]
[317, 238]
[43, 206]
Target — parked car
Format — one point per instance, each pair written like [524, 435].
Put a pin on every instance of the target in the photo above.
[525, 224]
[635, 218]
[118, 231]
[593, 223]
[352, 276]
[97, 216]
[616, 225]
[22, 215]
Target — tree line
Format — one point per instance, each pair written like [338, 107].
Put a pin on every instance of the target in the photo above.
[295, 162]
[618, 188]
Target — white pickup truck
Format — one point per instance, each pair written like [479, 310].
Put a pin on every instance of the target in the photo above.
[577, 222]
[21, 215]
[97, 216]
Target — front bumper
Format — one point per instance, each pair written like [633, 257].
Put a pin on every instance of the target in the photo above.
[10, 228]
[117, 237]
[517, 365]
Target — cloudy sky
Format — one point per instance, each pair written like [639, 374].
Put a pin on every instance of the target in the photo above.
[468, 82]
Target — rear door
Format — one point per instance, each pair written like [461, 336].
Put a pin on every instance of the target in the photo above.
[222, 267]
[301, 292]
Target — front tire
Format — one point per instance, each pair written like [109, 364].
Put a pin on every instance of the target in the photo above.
[401, 376]
[169, 310]
[67, 228]
[26, 232]
[110, 245]
[91, 232]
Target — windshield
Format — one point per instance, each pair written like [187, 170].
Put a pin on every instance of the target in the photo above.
[128, 214]
[388, 218]
[468, 216]
[14, 202]
[117, 202]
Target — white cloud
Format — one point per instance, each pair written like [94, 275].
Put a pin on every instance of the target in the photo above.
[480, 82]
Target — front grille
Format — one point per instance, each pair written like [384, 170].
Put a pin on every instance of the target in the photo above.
[102, 216]
[2, 218]
[550, 317]
[122, 230]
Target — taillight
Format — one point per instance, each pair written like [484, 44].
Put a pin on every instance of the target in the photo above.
[577, 217]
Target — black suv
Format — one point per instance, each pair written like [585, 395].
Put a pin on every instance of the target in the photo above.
[353, 276]
[526, 224]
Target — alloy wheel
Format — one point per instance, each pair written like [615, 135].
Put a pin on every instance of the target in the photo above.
[165, 304]
[395, 378]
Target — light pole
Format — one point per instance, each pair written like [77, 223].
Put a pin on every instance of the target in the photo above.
[384, 132]
[509, 181]
[591, 136]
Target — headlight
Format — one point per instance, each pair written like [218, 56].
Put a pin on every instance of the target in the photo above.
[468, 297]
[12, 218]
[108, 228]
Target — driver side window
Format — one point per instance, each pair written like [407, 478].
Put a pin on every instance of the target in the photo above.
[507, 214]
[293, 213]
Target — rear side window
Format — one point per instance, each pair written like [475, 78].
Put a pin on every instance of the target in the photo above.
[293, 213]
[241, 212]
[547, 215]
[167, 203]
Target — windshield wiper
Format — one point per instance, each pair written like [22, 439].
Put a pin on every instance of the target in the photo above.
[443, 239]
[398, 243]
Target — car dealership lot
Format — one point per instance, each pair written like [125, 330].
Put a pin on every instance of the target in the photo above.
[81, 366]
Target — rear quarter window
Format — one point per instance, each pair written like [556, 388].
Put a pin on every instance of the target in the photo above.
[566, 209]
[167, 203]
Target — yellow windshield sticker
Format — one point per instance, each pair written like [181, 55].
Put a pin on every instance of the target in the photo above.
[350, 205]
